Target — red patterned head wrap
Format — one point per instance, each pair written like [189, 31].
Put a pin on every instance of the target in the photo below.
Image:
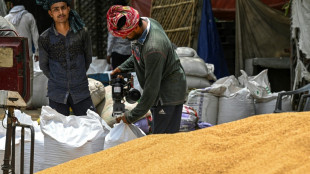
[115, 13]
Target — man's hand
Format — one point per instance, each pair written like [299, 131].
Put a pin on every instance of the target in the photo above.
[36, 58]
[109, 59]
[116, 70]
[118, 119]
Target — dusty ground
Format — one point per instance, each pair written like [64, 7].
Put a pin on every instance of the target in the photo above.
[35, 114]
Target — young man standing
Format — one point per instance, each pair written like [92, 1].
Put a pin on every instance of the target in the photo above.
[65, 55]
[157, 66]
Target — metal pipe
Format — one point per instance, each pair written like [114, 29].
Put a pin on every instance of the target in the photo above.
[10, 138]
[22, 148]
[13, 149]
[6, 162]
[31, 148]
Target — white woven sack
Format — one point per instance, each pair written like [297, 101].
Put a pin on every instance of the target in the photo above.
[97, 91]
[225, 86]
[267, 105]
[106, 112]
[186, 52]
[237, 106]
[197, 82]
[205, 104]
[194, 66]
[100, 106]
[39, 95]
[121, 133]
[258, 85]
[70, 137]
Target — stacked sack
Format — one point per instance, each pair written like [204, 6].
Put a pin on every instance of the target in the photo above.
[230, 99]
[205, 104]
[197, 71]
[264, 100]
[234, 102]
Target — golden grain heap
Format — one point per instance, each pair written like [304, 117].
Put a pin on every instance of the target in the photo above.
[270, 143]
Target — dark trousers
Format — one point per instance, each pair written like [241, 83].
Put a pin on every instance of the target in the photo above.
[78, 109]
[166, 119]
[118, 59]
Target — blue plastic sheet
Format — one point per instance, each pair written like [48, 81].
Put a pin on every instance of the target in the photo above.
[102, 77]
[209, 44]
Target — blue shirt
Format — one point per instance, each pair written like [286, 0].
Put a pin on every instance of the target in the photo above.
[64, 60]
[142, 38]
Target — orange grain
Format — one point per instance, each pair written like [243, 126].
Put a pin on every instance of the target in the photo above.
[269, 144]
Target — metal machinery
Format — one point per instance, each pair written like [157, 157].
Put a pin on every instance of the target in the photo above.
[11, 100]
[122, 87]
[14, 65]
[14, 91]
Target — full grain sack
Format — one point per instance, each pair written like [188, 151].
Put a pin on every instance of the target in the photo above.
[270, 143]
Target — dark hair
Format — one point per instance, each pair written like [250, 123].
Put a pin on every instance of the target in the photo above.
[121, 22]
[67, 2]
[17, 2]
[120, 2]
[140, 22]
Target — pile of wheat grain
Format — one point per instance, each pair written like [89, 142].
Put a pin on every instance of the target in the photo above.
[271, 143]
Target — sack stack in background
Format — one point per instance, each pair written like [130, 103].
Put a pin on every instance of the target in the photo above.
[186, 52]
[259, 87]
[196, 70]
[234, 102]
[230, 99]
[237, 106]
[205, 104]
[267, 104]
